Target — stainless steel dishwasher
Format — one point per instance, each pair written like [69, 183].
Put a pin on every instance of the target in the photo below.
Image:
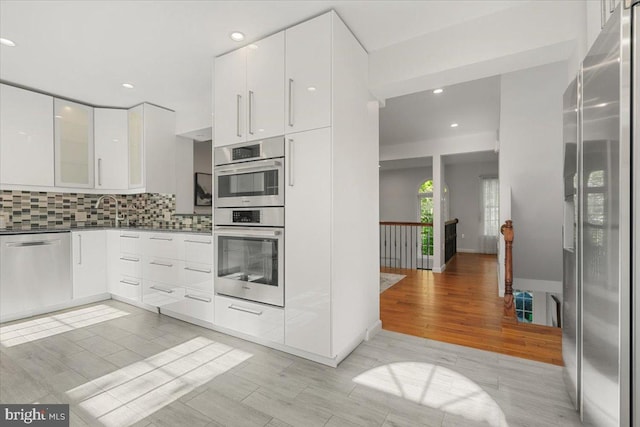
[35, 272]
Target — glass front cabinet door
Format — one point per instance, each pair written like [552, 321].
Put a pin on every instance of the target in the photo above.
[73, 144]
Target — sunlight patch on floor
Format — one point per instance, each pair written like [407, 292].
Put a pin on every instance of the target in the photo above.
[436, 387]
[31, 330]
[130, 394]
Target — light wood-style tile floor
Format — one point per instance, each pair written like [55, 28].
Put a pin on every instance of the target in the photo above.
[118, 365]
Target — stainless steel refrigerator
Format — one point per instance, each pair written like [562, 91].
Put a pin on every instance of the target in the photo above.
[599, 303]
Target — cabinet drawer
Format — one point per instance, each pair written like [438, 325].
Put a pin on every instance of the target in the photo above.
[160, 294]
[250, 318]
[162, 245]
[197, 276]
[194, 303]
[162, 270]
[130, 265]
[127, 287]
[198, 249]
[130, 242]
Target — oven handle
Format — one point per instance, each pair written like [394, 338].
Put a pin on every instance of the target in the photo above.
[249, 167]
[247, 232]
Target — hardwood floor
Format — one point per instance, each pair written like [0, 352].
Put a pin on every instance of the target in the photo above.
[461, 306]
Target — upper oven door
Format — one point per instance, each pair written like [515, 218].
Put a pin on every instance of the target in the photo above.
[259, 183]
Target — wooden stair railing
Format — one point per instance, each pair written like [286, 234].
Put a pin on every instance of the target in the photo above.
[507, 232]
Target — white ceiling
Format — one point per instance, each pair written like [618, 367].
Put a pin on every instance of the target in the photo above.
[85, 50]
[424, 116]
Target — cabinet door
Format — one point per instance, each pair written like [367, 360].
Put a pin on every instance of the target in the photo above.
[26, 137]
[136, 147]
[308, 75]
[89, 263]
[73, 144]
[265, 87]
[307, 242]
[159, 150]
[230, 98]
[111, 158]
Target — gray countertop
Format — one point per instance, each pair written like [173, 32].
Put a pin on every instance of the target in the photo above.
[66, 230]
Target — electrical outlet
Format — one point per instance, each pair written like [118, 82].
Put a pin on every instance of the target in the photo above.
[167, 216]
[463, 235]
[4, 219]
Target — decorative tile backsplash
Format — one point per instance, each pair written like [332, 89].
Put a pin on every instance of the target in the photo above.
[23, 210]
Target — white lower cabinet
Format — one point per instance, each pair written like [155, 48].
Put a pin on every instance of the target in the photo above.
[127, 287]
[89, 263]
[163, 270]
[194, 303]
[130, 265]
[197, 276]
[160, 294]
[259, 320]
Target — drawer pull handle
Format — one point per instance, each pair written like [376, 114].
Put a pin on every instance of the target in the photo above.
[167, 239]
[127, 282]
[130, 236]
[208, 242]
[197, 298]
[126, 258]
[246, 310]
[198, 270]
[161, 263]
[158, 288]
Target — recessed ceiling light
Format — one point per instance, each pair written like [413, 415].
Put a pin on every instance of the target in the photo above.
[454, 125]
[252, 46]
[437, 91]
[58, 117]
[115, 140]
[311, 88]
[7, 42]
[127, 85]
[237, 36]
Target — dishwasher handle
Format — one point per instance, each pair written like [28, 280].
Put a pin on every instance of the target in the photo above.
[36, 243]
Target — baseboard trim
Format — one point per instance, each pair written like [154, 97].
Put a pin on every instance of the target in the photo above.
[440, 269]
[373, 330]
[468, 251]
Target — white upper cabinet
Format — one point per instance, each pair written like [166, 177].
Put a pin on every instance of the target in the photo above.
[73, 144]
[308, 75]
[249, 92]
[230, 98]
[26, 137]
[111, 149]
[135, 146]
[265, 87]
[152, 149]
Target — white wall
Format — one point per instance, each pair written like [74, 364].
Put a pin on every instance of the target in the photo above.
[184, 175]
[465, 193]
[399, 193]
[483, 141]
[531, 166]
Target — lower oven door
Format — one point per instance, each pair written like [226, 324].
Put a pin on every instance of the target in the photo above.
[249, 263]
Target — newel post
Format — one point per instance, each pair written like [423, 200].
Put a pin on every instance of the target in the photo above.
[507, 232]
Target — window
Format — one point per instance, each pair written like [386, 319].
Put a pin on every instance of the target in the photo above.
[490, 206]
[425, 214]
[524, 306]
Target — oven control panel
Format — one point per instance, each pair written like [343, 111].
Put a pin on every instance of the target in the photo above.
[246, 217]
[263, 217]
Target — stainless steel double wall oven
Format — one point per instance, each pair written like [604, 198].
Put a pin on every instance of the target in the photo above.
[249, 220]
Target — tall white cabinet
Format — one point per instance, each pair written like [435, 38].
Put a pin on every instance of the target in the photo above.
[26, 137]
[330, 124]
[249, 92]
